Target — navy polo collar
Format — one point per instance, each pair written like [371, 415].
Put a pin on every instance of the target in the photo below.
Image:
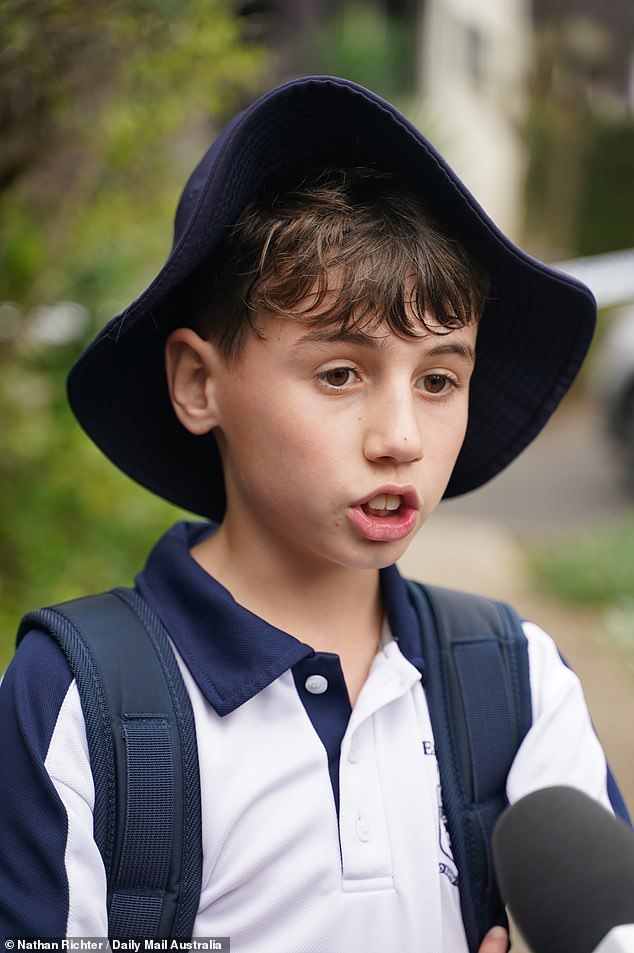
[232, 653]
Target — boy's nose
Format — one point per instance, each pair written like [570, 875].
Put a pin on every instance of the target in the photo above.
[393, 431]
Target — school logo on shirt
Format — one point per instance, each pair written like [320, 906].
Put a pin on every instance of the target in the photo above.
[446, 864]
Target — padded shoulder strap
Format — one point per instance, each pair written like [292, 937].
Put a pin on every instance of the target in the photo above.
[144, 759]
[478, 693]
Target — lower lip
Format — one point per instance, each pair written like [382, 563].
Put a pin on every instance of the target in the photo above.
[384, 528]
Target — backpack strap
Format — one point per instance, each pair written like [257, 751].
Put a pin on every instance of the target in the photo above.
[477, 686]
[143, 755]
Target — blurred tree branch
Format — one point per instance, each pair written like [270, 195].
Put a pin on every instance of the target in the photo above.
[53, 54]
[105, 103]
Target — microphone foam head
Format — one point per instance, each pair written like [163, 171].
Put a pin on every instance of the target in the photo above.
[565, 868]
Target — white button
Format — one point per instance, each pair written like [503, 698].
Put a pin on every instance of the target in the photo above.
[364, 830]
[353, 754]
[316, 684]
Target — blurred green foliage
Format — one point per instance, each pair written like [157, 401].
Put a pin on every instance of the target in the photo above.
[369, 45]
[591, 568]
[104, 109]
[605, 216]
[580, 138]
[124, 96]
[580, 184]
[70, 523]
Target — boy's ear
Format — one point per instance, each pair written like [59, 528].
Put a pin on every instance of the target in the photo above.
[190, 364]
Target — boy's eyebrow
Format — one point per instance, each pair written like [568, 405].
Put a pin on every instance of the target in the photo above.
[355, 336]
[461, 350]
[346, 335]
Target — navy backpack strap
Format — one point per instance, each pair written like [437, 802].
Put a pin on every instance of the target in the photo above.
[478, 692]
[144, 759]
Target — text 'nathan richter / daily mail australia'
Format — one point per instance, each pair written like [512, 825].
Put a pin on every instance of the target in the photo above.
[99, 944]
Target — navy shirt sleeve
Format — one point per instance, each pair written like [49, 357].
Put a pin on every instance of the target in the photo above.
[34, 893]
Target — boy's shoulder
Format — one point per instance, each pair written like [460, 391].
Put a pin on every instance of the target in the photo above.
[141, 739]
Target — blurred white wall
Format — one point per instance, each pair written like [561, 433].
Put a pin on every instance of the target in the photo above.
[476, 58]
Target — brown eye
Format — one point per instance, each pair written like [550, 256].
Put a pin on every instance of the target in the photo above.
[436, 383]
[338, 376]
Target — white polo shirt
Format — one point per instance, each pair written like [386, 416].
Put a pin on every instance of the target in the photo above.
[323, 828]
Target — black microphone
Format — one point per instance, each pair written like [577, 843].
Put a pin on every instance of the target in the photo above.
[565, 867]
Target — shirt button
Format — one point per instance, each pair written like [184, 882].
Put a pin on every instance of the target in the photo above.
[316, 684]
[364, 830]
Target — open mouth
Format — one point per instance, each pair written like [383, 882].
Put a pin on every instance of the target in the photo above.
[383, 505]
[386, 516]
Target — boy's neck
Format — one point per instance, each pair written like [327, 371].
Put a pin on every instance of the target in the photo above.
[331, 608]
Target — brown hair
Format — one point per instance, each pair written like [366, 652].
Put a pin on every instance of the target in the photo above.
[345, 248]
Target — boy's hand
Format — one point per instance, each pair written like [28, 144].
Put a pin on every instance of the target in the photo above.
[496, 941]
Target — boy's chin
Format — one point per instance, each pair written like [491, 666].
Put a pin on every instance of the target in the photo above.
[379, 555]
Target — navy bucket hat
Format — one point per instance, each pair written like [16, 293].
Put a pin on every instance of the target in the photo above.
[535, 330]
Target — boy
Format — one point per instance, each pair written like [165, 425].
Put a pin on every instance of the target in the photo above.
[299, 373]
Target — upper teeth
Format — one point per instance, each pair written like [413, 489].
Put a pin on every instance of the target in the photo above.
[384, 501]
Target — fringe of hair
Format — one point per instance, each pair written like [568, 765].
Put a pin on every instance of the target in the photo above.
[344, 248]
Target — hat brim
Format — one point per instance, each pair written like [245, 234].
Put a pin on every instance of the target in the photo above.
[535, 331]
